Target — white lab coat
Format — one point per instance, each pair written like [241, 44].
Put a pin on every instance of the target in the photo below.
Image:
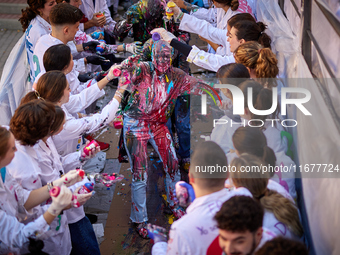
[47, 41]
[53, 166]
[195, 232]
[36, 29]
[100, 6]
[69, 139]
[14, 234]
[25, 169]
[199, 23]
[84, 98]
[207, 60]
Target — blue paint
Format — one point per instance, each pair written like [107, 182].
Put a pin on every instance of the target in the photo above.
[171, 85]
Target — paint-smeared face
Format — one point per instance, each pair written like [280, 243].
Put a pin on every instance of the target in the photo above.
[162, 56]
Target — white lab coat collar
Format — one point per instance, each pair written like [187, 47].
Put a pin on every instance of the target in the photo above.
[201, 201]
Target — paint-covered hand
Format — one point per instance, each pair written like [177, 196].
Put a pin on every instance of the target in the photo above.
[176, 11]
[134, 48]
[180, 194]
[93, 150]
[96, 60]
[90, 46]
[68, 179]
[156, 233]
[61, 201]
[114, 72]
[80, 199]
[165, 35]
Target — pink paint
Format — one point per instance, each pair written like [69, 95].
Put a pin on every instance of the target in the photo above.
[54, 192]
[116, 72]
[91, 146]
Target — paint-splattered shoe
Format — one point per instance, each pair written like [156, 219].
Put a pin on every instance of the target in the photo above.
[141, 229]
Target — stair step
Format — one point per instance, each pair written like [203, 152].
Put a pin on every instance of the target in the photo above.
[12, 8]
[10, 21]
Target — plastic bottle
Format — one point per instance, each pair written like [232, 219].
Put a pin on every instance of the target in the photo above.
[93, 144]
[87, 188]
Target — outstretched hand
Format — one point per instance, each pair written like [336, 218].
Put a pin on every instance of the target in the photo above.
[165, 35]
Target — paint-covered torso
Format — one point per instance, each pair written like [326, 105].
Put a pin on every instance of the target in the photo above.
[154, 97]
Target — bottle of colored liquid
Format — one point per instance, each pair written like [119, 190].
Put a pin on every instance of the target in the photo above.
[87, 188]
[93, 144]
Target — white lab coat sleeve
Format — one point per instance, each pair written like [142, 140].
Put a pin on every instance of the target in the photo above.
[178, 243]
[85, 98]
[74, 128]
[15, 234]
[208, 61]
[209, 15]
[71, 161]
[159, 248]
[203, 28]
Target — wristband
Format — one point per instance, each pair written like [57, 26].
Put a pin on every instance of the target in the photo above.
[49, 186]
[119, 94]
[124, 46]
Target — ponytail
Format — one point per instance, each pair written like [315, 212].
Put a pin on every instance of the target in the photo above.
[233, 4]
[283, 209]
[251, 31]
[266, 64]
[30, 12]
[262, 60]
[256, 182]
[269, 157]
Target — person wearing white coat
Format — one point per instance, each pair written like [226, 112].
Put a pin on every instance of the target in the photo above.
[281, 214]
[52, 166]
[40, 116]
[196, 232]
[15, 201]
[35, 28]
[91, 8]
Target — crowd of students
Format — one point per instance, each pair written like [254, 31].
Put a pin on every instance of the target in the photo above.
[234, 213]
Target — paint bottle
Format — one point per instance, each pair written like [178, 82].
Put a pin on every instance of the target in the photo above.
[93, 144]
[87, 188]
[100, 47]
[182, 194]
[156, 36]
[168, 12]
[54, 192]
[118, 122]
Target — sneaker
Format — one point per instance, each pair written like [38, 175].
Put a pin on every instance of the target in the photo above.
[103, 146]
[141, 229]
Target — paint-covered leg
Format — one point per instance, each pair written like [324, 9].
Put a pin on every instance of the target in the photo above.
[162, 143]
[136, 147]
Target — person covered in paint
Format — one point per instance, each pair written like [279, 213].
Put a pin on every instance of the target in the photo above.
[142, 18]
[156, 86]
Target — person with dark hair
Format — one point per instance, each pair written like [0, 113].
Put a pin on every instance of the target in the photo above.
[239, 223]
[30, 123]
[252, 140]
[214, 61]
[64, 20]
[35, 23]
[195, 233]
[282, 246]
[18, 202]
[233, 74]
[52, 166]
[203, 22]
[281, 214]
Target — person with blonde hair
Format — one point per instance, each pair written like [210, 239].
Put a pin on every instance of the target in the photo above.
[281, 215]
[261, 62]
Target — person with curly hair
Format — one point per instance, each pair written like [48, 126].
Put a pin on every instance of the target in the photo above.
[239, 222]
[281, 245]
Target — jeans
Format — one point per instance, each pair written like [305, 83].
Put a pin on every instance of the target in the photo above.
[83, 238]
